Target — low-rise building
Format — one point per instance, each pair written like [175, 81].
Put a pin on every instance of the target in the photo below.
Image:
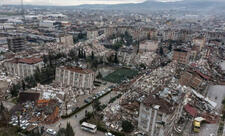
[23, 67]
[76, 77]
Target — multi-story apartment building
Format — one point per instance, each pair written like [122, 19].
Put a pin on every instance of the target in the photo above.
[181, 56]
[199, 43]
[92, 34]
[76, 77]
[16, 43]
[157, 116]
[23, 67]
[66, 40]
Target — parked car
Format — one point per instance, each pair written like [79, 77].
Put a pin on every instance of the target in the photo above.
[109, 134]
[51, 132]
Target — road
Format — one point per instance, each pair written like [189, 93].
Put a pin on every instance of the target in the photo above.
[74, 121]
[216, 93]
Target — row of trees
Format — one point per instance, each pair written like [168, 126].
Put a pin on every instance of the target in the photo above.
[68, 131]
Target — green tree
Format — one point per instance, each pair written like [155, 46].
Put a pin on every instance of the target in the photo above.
[84, 54]
[116, 59]
[37, 75]
[92, 55]
[14, 89]
[127, 126]
[69, 130]
[23, 85]
[99, 76]
[66, 132]
[161, 51]
[128, 38]
[96, 105]
[61, 132]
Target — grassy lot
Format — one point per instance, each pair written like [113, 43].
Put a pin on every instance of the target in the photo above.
[120, 75]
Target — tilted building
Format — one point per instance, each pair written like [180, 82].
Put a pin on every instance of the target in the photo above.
[157, 116]
[76, 77]
[16, 43]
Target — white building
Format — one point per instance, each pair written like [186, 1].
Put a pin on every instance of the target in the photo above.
[76, 77]
[92, 34]
[23, 67]
[47, 24]
[157, 117]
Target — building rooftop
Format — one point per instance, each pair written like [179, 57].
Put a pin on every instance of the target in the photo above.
[161, 104]
[26, 60]
[77, 70]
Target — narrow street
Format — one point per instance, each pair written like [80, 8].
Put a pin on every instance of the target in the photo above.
[75, 119]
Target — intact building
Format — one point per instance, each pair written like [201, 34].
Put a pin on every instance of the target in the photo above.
[66, 40]
[92, 34]
[16, 43]
[181, 56]
[76, 77]
[23, 67]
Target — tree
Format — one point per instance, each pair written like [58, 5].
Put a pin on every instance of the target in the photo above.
[96, 105]
[92, 55]
[14, 89]
[127, 126]
[23, 85]
[99, 76]
[66, 132]
[69, 130]
[116, 59]
[84, 54]
[170, 47]
[61, 132]
[161, 51]
[128, 38]
[37, 75]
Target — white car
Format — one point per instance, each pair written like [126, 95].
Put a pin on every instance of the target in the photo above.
[109, 134]
[51, 131]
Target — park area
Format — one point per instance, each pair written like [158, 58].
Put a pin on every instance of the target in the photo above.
[120, 75]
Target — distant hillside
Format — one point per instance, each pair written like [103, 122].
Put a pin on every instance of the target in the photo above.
[196, 5]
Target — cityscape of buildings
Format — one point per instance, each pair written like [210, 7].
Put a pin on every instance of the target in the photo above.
[67, 71]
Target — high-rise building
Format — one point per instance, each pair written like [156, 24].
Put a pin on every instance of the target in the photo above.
[76, 77]
[16, 43]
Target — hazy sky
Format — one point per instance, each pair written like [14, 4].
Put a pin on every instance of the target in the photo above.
[74, 2]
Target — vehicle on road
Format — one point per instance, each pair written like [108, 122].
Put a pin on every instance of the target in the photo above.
[51, 132]
[89, 127]
[109, 134]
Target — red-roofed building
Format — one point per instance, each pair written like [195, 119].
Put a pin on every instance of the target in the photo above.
[76, 77]
[23, 67]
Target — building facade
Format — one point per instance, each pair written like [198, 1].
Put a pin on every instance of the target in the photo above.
[16, 43]
[157, 117]
[92, 34]
[181, 56]
[76, 77]
[23, 67]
